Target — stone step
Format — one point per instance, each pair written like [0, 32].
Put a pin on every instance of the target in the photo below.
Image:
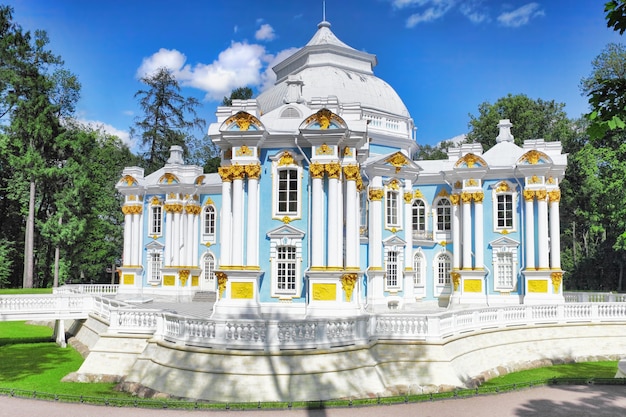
[205, 296]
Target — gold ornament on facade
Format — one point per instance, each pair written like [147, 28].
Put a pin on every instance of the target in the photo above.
[472, 182]
[333, 170]
[408, 197]
[209, 202]
[456, 280]
[393, 230]
[503, 187]
[132, 209]
[324, 150]
[322, 117]
[155, 201]
[199, 180]
[443, 193]
[222, 279]
[376, 194]
[532, 157]
[317, 170]
[458, 184]
[243, 120]
[168, 178]
[238, 171]
[351, 172]
[478, 196]
[470, 160]
[557, 278]
[132, 198]
[534, 180]
[550, 180]
[129, 180]
[286, 220]
[173, 207]
[286, 159]
[347, 284]
[418, 194]
[443, 243]
[184, 276]
[347, 151]
[394, 184]
[193, 209]
[225, 173]
[455, 199]
[243, 151]
[359, 183]
[554, 196]
[529, 195]
[171, 196]
[541, 194]
[466, 197]
[253, 171]
[398, 160]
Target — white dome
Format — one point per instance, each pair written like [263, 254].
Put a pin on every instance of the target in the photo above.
[328, 67]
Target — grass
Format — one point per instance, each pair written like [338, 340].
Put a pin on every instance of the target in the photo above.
[31, 362]
[14, 291]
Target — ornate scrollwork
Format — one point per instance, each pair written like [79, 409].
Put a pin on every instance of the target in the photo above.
[376, 194]
[222, 279]
[333, 170]
[253, 171]
[286, 159]
[466, 197]
[554, 196]
[529, 195]
[132, 209]
[324, 150]
[557, 279]
[243, 151]
[455, 199]
[347, 284]
[317, 170]
[238, 172]
[478, 196]
[456, 280]
[398, 160]
[408, 197]
[351, 172]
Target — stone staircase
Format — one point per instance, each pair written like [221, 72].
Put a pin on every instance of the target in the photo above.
[205, 297]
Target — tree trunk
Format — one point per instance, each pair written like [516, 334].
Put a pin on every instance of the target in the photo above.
[29, 240]
[57, 251]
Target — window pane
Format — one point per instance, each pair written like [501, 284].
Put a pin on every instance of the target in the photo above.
[288, 191]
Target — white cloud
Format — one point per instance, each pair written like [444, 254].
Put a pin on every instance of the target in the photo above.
[265, 33]
[268, 78]
[520, 16]
[428, 10]
[474, 11]
[109, 129]
[168, 58]
[401, 4]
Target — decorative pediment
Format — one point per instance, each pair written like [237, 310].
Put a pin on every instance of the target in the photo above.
[470, 160]
[323, 120]
[398, 160]
[168, 178]
[534, 157]
[243, 122]
[503, 242]
[285, 231]
[155, 245]
[128, 180]
[394, 241]
[504, 187]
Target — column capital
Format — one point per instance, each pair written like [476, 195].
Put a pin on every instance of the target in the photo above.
[466, 197]
[225, 173]
[455, 199]
[333, 169]
[478, 196]
[253, 171]
[132, 209]
[351, 172]
[238, 172]
[316, 170]
[554, 196]
[376, 194]
[529, 195]
[541, 194]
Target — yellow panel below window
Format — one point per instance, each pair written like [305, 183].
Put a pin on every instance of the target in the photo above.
[169, 280]
[537, 285]
[241, 290]
[324, 292]
[473, 285]
[194, 281]
[129, 279]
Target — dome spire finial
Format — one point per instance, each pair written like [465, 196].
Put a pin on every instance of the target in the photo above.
[323, 23]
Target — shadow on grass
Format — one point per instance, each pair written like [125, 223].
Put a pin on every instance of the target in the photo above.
[21, 360]
[22, 340]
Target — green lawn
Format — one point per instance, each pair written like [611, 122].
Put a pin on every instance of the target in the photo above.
[588, 370]
[29, 360]
[13, 291]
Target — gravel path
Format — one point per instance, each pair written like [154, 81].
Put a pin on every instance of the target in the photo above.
[558, 401]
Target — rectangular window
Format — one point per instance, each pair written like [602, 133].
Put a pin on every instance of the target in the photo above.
[392, 208]
[209, 221]
[505, 211]
[288, 191]
[504, 270]
[392, 269]
[155, 266]
[419, 218]
[156, 222]
[286, 269]
[444, 222]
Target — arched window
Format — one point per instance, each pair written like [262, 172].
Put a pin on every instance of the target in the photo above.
[444, 215]
[443, 264]
[209, 223]
[418, 216]
[419, 265]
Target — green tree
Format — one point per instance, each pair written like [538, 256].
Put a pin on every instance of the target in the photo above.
[433, 152]
[239, 93]
[168, 117]
[532, 119]
[616, 15]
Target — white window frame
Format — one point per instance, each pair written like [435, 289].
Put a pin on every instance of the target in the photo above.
[392, 270]
[156, 220]
[419, 219]
[208, 269]
[394, 258]
[419, 269]
[155, 265]
[510, 247]
[277, 168]
[440, 206]
[208, 230]
[286, 269]
[285, 236]
[442, 267]
[496, 207]
[393, 214]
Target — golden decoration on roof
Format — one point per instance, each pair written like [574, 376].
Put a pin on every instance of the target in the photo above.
[168, 178]
[324, 150]
[286, 159]
[398, 160]
[322, 117]
[470, 160]
[129, 180]
[532, 157]
[243, 120]
[243, 150]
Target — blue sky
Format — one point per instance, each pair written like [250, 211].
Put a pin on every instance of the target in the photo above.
[443, 57]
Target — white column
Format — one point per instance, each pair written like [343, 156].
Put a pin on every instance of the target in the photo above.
[225, 216]
[189, 238]
[456, 232]
[352, 221]
[168, 218]
[542, 230]
[176, 243]
[252, 232]
[375, 223]
[555, 233]
[137, 239]
[408, 237]
[334, 234]
[128, 225]
[467, 230]
[317, 214]
[195, 238]
[237, 243]
[529, 229]
[478, 231]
